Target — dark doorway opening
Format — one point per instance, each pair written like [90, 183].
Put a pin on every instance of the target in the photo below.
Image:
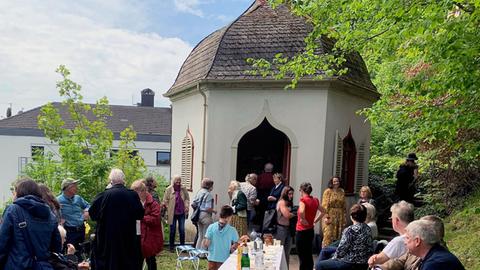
[348, 163]
[261, 145]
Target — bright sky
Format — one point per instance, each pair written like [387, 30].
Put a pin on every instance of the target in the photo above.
[114, 48]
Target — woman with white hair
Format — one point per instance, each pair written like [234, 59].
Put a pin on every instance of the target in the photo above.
[151, 226]
[177, 201]
[371, 221]
[238, 201]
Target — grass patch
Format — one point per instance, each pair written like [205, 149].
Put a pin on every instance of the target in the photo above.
[463, 233]
[167, 261]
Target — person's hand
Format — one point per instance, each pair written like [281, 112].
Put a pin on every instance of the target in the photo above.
[86, 215]
[83, 266]
[257, 202]
[233, 247]
[271, 199]
[70, 249]
[304, 222]
[372, 260]
[327, 220]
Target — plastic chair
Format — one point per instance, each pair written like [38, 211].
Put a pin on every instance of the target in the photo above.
[184, 254]
[200, 253]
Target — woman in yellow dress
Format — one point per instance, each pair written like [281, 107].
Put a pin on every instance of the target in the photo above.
[334, 222]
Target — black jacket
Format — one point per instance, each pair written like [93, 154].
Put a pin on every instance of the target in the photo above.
[116, 245]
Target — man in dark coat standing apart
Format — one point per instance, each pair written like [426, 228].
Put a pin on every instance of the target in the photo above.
[118, 212]
[406, 176]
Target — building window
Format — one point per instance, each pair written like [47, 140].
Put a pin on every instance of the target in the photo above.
[348, 163]
[37, 151]
[163, 158]
[187, 160]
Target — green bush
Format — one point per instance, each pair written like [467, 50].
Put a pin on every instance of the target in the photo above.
[462, 231]
[384, 167]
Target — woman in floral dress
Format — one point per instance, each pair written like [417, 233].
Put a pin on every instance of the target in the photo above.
[334, 222]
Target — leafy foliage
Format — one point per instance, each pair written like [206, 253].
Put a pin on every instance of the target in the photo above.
[126, 159]
[424, 58]
[83, 149]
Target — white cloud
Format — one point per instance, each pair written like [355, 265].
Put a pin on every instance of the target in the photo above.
[93, 41]
[189, 6]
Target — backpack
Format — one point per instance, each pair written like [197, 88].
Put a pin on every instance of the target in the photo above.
[23, 226]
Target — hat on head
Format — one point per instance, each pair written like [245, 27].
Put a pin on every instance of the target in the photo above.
[67, 182]
[412, 156]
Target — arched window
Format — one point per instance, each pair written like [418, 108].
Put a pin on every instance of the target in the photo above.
[348, 163]
[187, 160]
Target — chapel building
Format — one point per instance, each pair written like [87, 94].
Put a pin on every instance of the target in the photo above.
[227, 122]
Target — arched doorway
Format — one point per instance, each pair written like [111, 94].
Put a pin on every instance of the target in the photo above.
[261, 145]
[348, 162]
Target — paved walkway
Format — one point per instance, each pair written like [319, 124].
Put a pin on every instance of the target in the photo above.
[293, 265]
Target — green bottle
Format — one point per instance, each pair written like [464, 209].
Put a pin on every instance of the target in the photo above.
[245, 262]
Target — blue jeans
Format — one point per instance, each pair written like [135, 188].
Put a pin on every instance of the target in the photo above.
[181, 230]
[326, 253]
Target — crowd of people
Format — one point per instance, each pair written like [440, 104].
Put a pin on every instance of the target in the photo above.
[41, 229]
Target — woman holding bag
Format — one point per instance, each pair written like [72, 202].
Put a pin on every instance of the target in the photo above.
[203, 207]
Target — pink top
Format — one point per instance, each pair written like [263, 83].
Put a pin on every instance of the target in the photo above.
[311, 207]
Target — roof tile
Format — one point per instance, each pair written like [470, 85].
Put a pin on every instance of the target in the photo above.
[260, 32]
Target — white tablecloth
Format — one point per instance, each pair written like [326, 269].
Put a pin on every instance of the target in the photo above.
[274, 252]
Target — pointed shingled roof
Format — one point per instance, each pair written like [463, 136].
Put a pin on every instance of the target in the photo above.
[260, 32]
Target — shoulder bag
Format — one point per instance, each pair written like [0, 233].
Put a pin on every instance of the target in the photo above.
[23, 226]
[196, 212]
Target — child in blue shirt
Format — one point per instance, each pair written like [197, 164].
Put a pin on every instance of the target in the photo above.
[220, 239]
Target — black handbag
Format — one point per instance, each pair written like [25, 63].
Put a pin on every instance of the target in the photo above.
[196, 211]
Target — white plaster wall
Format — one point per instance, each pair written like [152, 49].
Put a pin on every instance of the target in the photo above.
[14, 147]
[298, 113]
[187, 112]
[342, 114]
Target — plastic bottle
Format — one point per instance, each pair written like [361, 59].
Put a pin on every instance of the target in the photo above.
[245, 263]
[258, 244]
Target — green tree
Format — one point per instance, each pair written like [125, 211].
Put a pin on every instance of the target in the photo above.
[128, 159]
[424, 57]
[84, 143]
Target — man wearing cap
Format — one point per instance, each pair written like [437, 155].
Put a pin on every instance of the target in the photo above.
[406, 176]
[74, 210]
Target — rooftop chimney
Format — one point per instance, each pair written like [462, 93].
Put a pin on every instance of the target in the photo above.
[148, 97]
